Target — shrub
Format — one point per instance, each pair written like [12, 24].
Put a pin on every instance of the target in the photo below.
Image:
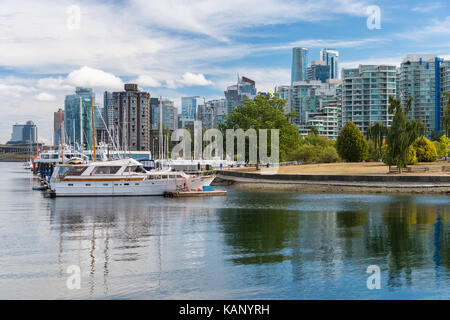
[443, 147]
[425, 150]
[315, 149]
[412, 156]
[351, 145]
[328, 155]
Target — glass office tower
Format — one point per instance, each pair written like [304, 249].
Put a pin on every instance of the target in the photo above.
[331, 59]
[78, 117]
[300, 61]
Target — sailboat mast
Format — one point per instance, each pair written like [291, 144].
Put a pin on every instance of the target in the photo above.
[61, 137]
[93, 127]
[161, 142]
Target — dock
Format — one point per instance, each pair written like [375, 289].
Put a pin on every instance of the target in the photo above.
[182, 194]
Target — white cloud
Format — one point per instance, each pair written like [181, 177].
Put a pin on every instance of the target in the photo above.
[94, 78]
[51, 83]
[146, 81]
[14, 91]
[43, 96]
[191, 79]
[219, 19]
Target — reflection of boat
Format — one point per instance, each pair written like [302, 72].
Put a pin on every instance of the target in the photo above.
[120, 178]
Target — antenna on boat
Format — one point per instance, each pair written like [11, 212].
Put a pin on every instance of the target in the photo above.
[93, 127]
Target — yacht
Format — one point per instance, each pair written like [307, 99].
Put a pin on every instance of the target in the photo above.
[124, 177]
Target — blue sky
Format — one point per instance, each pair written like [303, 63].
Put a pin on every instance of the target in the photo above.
[178, 48]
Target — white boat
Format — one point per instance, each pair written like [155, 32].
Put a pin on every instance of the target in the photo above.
[27, 165]
[125, 177]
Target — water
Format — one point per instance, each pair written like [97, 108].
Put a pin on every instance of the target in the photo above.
[246, 246]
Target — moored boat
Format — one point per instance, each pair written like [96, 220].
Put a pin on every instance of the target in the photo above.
[125, 177]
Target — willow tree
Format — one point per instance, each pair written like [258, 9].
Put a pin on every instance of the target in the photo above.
[376, 133]
[446, 115]
[402, 133]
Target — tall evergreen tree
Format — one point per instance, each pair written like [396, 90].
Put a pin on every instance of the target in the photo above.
[351, 145]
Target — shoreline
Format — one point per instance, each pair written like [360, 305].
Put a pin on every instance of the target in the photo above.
[337, 183]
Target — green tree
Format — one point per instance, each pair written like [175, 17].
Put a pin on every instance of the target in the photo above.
[425, 150]
[351, 145]
[264, 112]
[443, 148]
[376, 134]
[446, 116]
[314, 131]
[401, 134]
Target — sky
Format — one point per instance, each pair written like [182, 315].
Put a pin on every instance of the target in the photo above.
[184, 48]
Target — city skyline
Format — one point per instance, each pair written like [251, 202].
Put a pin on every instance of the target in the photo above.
[199, 55]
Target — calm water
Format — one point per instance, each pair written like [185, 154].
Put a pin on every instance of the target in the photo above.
[245, 246]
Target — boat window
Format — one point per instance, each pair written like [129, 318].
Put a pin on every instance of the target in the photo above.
[139, 169]
[106, 170]
[75, 171]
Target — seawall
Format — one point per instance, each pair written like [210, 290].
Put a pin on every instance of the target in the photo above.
[422, 184]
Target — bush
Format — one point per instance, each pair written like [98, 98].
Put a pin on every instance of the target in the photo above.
[328, 155]
[315, 149]
[412, 156]
[425, 150]
[351, 145]
[443, 146]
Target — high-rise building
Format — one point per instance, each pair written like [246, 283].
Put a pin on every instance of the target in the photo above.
[315, 104]
[131, 121]
[169, 114]
[235, 94]
[420, 78]
[78, 117]
[300, 61]
[365, 95]
[331, 58]
[283, 93]
[318, 71]
[219, 109]
[24, 133]
[445, 84]
[108, 110]
[189, 106]
[58, 120]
